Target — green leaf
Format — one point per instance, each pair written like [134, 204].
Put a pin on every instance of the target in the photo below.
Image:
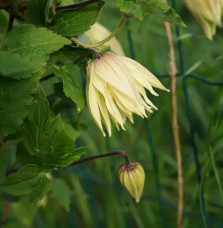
[35, 13]
[28, 180]
[3, 23]
[39, 128]
[3, 164]
[136, 7]
[72, 83]
[15, 66]
[77, 21]
[63, 151]
[61, 192]
[140, 8]
[15, 99]
[41, 189]
[47, 137]
[36, 44]
[23, 181]
[164, 11]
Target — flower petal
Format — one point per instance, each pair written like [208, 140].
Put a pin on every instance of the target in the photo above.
[142, 74]
[92, 98]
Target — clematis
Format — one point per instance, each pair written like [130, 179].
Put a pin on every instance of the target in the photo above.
[132, 177]
[116, 89]
[98, 32]
[208, 13]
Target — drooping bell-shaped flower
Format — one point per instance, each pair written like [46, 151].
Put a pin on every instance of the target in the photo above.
[116, 89]
[98, 32]
[208, 13]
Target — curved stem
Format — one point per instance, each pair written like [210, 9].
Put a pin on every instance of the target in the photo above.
[114, 153]
[115, 31]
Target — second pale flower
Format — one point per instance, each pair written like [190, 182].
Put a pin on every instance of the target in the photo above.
[116, 89]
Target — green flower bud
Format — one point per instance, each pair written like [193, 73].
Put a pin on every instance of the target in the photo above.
[132, 177]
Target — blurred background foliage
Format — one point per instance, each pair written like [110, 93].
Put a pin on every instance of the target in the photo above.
[90, 195]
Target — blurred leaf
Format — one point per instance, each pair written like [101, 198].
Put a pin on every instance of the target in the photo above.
[156, 7]
[72, 83]
[76, 21]
[15, 66]
[15, 97]
[33, 43]
[211, 154]
[61, 192]
[3, 23]
[35, 13]
[70, 131]
[193, 67]
[3, 164]
[24, 211]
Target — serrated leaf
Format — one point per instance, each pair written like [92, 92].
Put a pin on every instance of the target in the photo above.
[28, 180]
[63, 151]
[15, 66]
[39, 128]
[140, 8]
[35, 13]
[47, 137]
[23, 181]
[3, 164]
[36, 44]
[15, 99]
[72, 83]
[41, 189]
[164, 11]
[76, 21]
[136, 7]
[61, 192]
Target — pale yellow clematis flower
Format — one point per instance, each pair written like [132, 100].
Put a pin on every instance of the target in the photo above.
[116, 89]
[98, 32]
[208, 13]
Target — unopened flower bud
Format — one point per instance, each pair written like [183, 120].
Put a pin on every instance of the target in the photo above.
[132, 177]
[98, 33]
[208, 13]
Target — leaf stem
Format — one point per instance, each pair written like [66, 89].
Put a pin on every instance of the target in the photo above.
[76, 5]
[46, 77]
[115, 31]
[114, 153]
[5, 214]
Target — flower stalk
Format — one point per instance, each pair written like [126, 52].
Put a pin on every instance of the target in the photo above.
[115, 31]
[175, 126]
[114, 153]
